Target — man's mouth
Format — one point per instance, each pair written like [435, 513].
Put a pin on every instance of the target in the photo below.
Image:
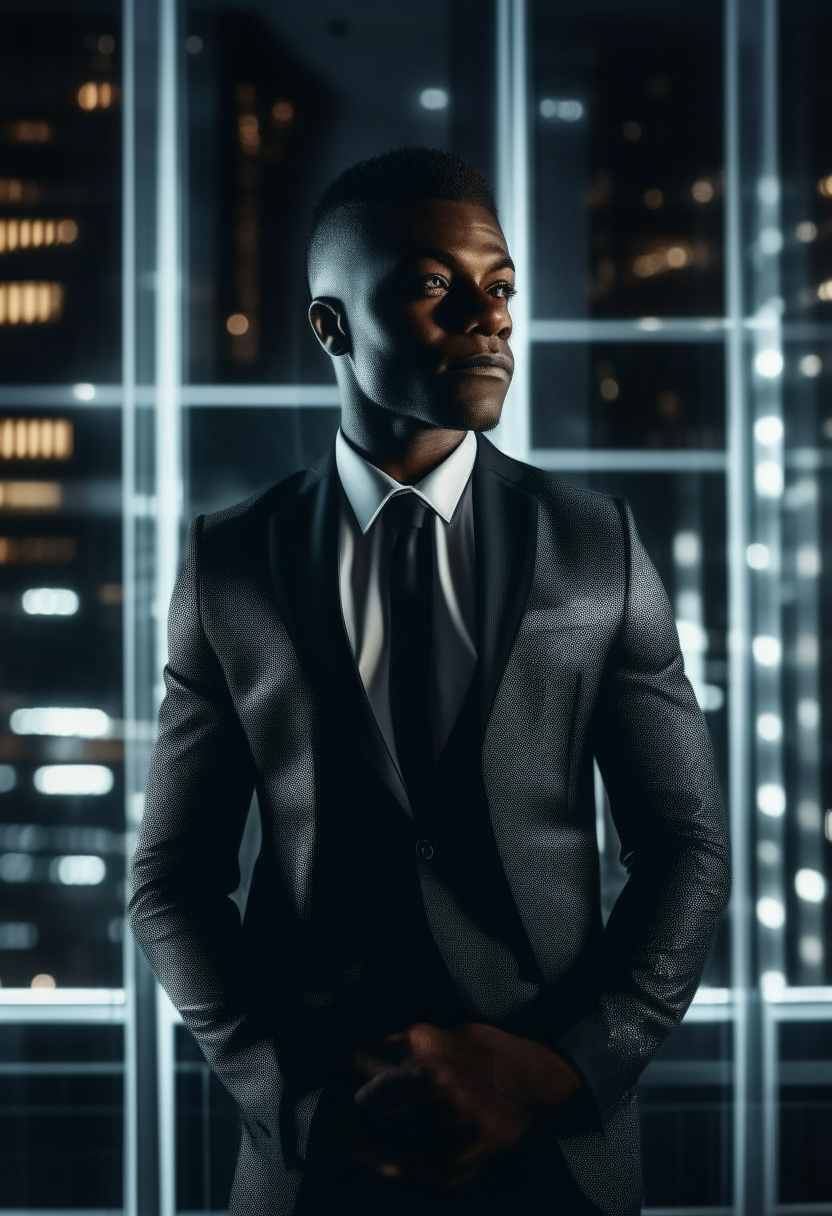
[484, 364]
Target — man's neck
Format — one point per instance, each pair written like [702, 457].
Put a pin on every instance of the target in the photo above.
[406, 453]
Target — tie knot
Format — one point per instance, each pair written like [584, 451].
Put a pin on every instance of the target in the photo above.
[406, 511]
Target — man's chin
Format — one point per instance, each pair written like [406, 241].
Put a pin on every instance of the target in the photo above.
[472, 415]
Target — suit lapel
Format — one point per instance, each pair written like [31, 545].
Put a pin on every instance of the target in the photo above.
[304, 561]
[505, 536]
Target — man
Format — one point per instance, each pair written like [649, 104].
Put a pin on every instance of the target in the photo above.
[413, 651]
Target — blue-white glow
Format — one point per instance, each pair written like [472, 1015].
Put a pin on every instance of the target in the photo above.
[50, 601]
[434, 99]
[66, 721]
[78, 870]
[73, 779]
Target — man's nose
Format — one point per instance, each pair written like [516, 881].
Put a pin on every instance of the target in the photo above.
[483, 313]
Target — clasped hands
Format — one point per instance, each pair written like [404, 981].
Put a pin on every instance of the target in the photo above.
[438, 1102]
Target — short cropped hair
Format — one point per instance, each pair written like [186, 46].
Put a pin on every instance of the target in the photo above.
[404, 175]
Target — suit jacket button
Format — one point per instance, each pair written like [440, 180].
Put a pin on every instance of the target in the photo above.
[424, 849]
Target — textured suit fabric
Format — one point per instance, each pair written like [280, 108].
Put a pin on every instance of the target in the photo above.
[579, 657]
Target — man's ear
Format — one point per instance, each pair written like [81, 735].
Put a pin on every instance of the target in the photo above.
[326, 316]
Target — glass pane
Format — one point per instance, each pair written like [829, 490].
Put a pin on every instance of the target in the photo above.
[281, 98]
[61, 1117]
[625, 106]
[628, 395]
[60, 205]
[234, 453]
[61, 805]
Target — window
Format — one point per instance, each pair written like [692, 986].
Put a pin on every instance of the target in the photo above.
[664, 174]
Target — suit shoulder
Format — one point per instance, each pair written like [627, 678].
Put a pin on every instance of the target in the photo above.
[249, 517]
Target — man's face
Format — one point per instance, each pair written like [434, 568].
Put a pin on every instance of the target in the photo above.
[426, 307]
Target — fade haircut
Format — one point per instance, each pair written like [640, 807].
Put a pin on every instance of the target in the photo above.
[404, 175]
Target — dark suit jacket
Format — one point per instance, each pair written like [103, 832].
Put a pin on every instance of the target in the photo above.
[579, 658]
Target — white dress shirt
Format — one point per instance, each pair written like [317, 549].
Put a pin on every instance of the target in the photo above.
[365, 552]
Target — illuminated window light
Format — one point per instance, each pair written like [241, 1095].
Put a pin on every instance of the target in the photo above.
[30, 132]
[434, 99]
[811, 366]
[30, 303]
[771, 240]
[33, 550]
[806, 649]
[84, 392]
[11, 190]
[693, 639]
[66, 722]
[808, 713]
[609, 389]
[237, 324]
[709, 696]
[771, 913]
[35, 234]
[702, 191]
[808, 561]
[768, 479]
[771, 800]
[808, 815]
[758, 556]
[50, 601]
[768, 853]
[769, 727]
[8, 778]
[768, 364]
[825, 187]
[36, 439]
[686, 549]
[768, 429]
[283, 111]
[773, 983]
[824, 291]
[96, 95]
[73, 779]
[16, 867]
[30, 495]
[43, 982]
[810, 885]
[561, 111]
[248, 128]
[810, 949]
[661, 260]
[766, 650]
[18, 935]
[78, 871]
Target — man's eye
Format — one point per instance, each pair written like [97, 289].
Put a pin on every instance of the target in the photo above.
[434, 282]
[503, 291]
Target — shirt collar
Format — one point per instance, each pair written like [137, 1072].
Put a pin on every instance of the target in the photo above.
[369, 488]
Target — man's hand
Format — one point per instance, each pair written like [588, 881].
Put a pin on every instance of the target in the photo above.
[439, 1102]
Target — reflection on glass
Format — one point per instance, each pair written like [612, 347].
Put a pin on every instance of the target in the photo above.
[280, 99]
[626, 128]
[628, 395]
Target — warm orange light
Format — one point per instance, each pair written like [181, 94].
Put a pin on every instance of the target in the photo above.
[702, 191]
[283, 111]
[23, 550]
[654, 199]
[30, 303]
[825, 186]
[96, 95]
[825, 290]
[43, 981]
[35, 233]
[29, 132]
[249, 130]
[662, 259]
[36, 439]
[30, 495]
[237, 324]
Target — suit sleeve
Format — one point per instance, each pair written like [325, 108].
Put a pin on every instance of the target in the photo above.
[185, 863]
[654, 753]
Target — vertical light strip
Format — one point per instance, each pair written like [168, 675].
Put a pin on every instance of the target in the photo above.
[738, 602]
[512, 435]
[168, 472]
[128, 572]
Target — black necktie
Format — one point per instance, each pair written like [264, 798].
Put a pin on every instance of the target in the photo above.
[411, 619]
